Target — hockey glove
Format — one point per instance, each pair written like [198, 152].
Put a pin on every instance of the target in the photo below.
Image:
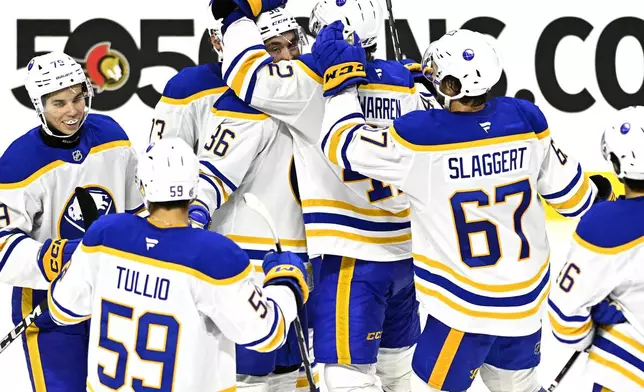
[607, 313]
[604, 188]
[342, 63]
[415, 68]
[287, 269]
[199, 216]
[53, 255]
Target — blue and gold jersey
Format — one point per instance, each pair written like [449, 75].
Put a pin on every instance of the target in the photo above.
[473, 180]
[391, 92]
[37, 185]
[170, 298]
[186, 102]
[244, 151]
[345, 213]
[604, 263]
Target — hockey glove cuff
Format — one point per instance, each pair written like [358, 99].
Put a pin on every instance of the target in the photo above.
[287, 269]
[199, 216]
[222, 8]
[604, 188]
[607, 313]
[342, 63]
[53, 255]
[415, 68]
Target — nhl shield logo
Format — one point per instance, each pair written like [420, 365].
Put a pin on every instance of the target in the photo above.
[77, 156]
[70, 222]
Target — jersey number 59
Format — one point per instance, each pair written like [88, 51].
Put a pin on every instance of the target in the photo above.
[111, 339]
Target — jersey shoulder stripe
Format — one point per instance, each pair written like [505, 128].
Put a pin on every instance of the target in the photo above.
[182, 249]
[229, 105]
[192, 83]
[612, 227]
[28, 157]
[433, 130]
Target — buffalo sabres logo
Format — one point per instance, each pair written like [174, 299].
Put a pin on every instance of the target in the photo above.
[70, 223]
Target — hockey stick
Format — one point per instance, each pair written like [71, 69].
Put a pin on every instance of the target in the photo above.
[394, 32]
[563, 371]
[256, 205]
[90, 214]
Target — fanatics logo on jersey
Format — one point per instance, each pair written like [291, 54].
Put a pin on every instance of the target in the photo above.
[486, 126]
[70, 222]
[150, 242]
[379, 73]
[77, 155]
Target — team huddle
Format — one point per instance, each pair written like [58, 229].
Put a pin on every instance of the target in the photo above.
[408, 251]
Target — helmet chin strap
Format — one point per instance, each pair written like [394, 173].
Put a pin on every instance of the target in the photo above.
[60, 135]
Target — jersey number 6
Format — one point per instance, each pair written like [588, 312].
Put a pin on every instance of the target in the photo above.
[465, 228]
[166, 355]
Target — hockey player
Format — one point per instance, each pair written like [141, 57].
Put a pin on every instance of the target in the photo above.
[358, 238]
[604, 271]
[188, 97]
[473, 174]
[246, 151]
[41, 220]
[167, 301]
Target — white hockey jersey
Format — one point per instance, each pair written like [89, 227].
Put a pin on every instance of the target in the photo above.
[186, 102]
[605, 261]
[473, 179]
[344, 213]
[167, 306]
[37, 185]
[244, 150]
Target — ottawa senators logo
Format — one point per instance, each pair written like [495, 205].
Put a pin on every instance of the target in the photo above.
[107, 68]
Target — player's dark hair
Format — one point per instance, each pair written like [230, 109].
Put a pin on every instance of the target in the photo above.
[635, 185]
[455, 85]
[168, 205]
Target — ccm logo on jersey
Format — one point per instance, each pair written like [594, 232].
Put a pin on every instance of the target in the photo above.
[374, 335]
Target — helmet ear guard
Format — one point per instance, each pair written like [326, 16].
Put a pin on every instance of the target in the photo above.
[217, 36]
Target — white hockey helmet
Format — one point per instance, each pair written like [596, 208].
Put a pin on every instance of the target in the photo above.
[364, 17]
[277, 22]
[623, 143]
[168, 170]
[52, 72]
[467, 56]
